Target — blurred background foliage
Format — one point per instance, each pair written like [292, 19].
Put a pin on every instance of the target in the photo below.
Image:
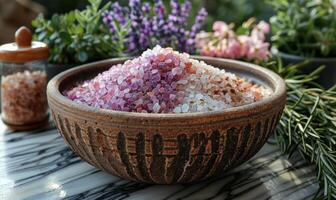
[15, 13]
[235, 11]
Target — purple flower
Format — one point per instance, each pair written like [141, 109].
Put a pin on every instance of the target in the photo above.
[117, 12]
[152, 25]
[185, 9]
[198, 23]
[146, 8]
[159, 8]
[196, 28]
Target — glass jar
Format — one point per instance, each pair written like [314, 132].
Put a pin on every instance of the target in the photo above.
[23, 82]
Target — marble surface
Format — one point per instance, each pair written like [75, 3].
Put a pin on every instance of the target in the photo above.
[38, 165]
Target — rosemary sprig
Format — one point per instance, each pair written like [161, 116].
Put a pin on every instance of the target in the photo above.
[308, 124]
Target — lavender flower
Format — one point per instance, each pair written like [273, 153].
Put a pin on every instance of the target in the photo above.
[135, 17]
[152, 25]
[185, 9]
[146, 8]
[118, 13]
[199, 21]
[196, 28]
[160, 28]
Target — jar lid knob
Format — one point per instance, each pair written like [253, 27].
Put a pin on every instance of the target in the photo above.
[23, 49]
[23, 37]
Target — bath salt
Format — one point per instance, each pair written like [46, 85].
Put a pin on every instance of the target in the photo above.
[162, 80]
[23, 97]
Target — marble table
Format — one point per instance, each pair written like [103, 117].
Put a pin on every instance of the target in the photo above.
[39, 165]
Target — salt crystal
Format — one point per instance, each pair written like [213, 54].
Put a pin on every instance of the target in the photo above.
[174, 71]
[177, 109]
[156, 108]
[199, 96]
[185, 108]
[172, 96]
[199, 108]
[120, 80]
[192, 77]
[154, 71]
[183, 82]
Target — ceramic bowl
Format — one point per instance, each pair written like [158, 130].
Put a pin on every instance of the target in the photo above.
[166, 148]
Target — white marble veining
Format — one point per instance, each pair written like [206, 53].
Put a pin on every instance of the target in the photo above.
[39, 165]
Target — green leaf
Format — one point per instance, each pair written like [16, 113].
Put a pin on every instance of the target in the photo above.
[55, 21]
[66, 38]
[54, 36]
[41, 36]
[70, 17]
[82, 56]
[242, 31]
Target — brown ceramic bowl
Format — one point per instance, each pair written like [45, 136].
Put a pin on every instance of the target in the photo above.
[166, 148]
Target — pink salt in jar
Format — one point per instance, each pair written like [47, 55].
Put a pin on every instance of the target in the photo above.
[23, 82]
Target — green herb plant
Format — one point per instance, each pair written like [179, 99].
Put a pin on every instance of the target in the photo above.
[79, 36]
[308, 124]
[236, 11]
[304, 27]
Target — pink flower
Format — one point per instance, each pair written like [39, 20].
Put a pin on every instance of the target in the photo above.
[245, 43]
[257, 50]
[234, 49]
[220, 26]
[261, 51]
[260, 30]
[224, 42]
[202, 39]
[257, 35]
[263, 26]
[221, 29]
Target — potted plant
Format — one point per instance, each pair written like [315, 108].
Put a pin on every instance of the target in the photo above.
[306, 30]
[77, 37]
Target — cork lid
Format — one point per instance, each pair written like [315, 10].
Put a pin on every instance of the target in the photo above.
[23, 49]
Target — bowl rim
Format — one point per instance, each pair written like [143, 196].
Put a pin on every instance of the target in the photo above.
[275, 98]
